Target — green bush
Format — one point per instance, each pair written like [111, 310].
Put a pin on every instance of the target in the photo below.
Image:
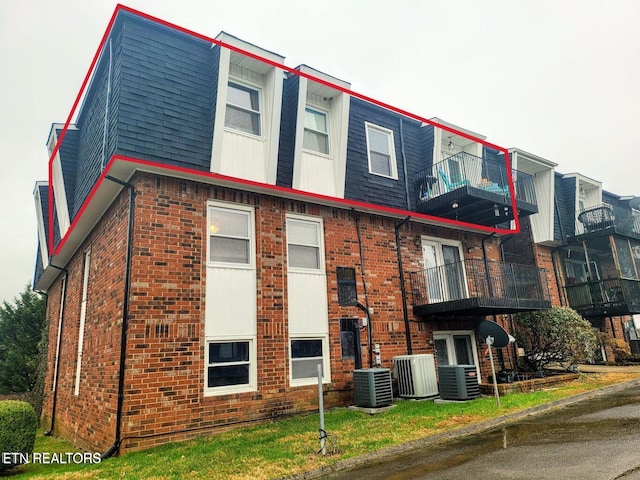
[557, 335]
[18, 424]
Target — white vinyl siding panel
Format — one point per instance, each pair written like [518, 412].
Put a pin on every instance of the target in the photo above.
[542, 222]
[243, 156]
[317, 174]
[60, 195]
[231, 302]
[308, 309]
[83, 314]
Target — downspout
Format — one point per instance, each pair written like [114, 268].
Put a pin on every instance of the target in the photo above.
[63, 295]
[554, 262]
[364, 286]
[404, 165]
[486, 263]
[403, 290]
[125, 317]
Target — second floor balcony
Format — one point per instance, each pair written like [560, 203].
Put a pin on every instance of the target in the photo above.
[473, 189]
[608, 219]
[475, 287]
[609, 297]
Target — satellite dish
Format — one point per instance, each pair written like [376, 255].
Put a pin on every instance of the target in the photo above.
[635, 203]
[501, 337]
[494, 336]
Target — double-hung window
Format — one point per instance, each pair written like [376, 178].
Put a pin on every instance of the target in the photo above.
[228, 363]
[303, 244]
[316, 131]
[306, 355]
[243, 109]
[230, 236]
[380, 150]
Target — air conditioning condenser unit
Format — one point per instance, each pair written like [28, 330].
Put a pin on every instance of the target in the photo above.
[372, 387]
[458, 382]
[416, 375]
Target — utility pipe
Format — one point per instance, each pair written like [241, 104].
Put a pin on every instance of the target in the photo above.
[125, 320]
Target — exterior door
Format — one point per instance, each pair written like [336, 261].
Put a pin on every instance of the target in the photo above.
[444, 271]
[456, 347]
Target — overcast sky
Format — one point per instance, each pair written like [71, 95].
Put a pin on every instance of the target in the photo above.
[560, 79]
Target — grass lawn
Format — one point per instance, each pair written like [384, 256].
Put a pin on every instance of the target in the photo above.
[290, 446]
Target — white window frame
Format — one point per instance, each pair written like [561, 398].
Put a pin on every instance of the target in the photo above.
[393, 166]
[242, 84]
[239, 209]
[326, 368]
[83, 315]
[251, 386]
[448, 336]
[327, 134]
[320, 245]
[439, 257]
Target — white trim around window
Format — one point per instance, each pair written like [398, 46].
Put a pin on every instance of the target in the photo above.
[230, 235]
[305, 244]
[306, 353]
[316, 137]
[381, 151]
[230, 365]
[243, 108]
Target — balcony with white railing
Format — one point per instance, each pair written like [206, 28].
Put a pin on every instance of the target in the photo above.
[473, 189]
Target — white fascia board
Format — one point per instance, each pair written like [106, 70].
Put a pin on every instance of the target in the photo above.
[437, 121]
[533, 158]
[312, 72]
[234, 41]
[583, 178]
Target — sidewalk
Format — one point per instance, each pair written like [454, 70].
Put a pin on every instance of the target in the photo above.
[608, 369]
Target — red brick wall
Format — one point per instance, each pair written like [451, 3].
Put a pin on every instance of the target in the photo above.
[164, 383]
[88, 419]
[544, 259]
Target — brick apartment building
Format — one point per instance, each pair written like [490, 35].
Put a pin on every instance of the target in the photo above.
[221, 226]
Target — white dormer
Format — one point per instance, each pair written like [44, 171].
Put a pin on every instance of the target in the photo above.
[248, 104]
[588, 192]
[320, 155]
[40, 214]
[455, 157]
[542, 171]
[447, 144]
[59, 191]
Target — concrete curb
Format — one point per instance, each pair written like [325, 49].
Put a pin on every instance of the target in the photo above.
[389, 452]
